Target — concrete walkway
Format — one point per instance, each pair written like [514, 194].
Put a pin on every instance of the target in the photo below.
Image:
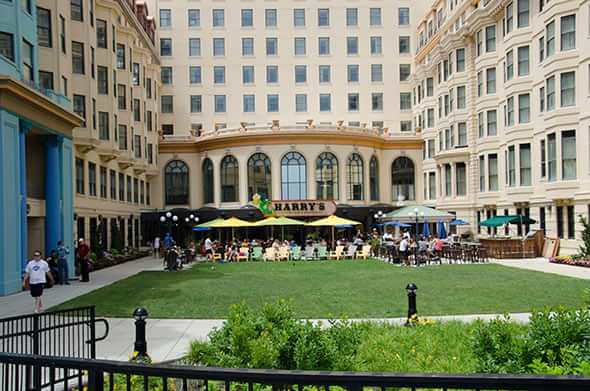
[543, 265]
[21, 303]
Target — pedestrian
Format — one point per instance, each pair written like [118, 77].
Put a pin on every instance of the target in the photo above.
[403, 250]
[62, 263]
[83, 260]
[36, 276]
[157, 247]
[209, 248]
[168, 241]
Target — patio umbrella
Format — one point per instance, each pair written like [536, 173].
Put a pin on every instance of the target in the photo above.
[426, 229]
[201, 229]
[426, 214]
[396, 223]
[278, 221]
[442, 232]
[332, 221]
[233, 223]
[209, 224]
[458, 222]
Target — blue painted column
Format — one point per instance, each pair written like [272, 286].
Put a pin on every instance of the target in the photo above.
[67, 198]
[25, 127]
[52, 193]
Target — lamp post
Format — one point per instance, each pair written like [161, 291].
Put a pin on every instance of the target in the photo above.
[169, 218]
[377, 216]
[412, 310]
[140, 346]
[416, 214]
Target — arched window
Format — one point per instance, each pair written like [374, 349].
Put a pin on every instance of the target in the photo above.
[354, 175]
[374, 178]
[259, 177]
[208, 192]
[402, 179]
[293, 177]
[230, 179]
[326, 176]
[176, 183]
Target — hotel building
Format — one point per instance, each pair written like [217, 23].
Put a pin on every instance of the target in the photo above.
[102, 55]
[287, 99]
[499, 93]
[36, 150]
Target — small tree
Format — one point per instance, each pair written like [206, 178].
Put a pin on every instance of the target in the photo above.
[585, 246]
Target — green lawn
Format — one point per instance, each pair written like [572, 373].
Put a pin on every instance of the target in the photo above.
[356, 289]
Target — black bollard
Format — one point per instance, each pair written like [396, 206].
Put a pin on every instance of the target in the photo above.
[412, 310]
[140, 345]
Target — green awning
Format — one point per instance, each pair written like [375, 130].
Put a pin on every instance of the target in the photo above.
[497, 221]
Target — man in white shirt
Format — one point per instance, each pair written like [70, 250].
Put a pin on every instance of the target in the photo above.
[208, 248]
[403, 250]
[36, 275]
[157, 247]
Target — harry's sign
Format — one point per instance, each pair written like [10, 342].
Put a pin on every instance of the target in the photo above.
[303, 208]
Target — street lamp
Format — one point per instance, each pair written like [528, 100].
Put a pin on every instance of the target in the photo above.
[169, 218]
[416, 214]
[140, 345]
[412, 310]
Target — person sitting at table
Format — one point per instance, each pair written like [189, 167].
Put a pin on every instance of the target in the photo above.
[231, 254]
[422, 246]
[438, 246]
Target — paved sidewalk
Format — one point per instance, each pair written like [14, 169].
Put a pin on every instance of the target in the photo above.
[21, 303]
[169, 339]
[543, 265]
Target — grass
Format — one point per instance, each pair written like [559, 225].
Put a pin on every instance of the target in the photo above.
[356, 289]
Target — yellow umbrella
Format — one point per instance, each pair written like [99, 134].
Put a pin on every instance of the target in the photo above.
[332, 221]
[278, 221]
[232, 222]
[209, 224]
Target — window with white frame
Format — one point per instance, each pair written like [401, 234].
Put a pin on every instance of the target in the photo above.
[524, 108]
[491, 80]
[568, 89]
[523, 60]
[568, 155]
[524, 156]
[568, 32]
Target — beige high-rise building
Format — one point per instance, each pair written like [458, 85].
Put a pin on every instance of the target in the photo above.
[102, 55]
[287, 99]
[502, 93]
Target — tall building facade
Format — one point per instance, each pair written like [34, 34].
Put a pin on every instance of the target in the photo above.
[36, 207]
[102, 55]
[289, 100]
[500, 90]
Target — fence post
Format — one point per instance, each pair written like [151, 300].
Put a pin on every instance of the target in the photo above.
[95, 380]
[93, 332]
[36, 351]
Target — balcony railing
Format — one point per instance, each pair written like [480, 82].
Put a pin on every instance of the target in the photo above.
[56, 97]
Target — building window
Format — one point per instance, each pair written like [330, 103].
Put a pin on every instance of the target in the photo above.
[405, 100]
[272, 47]
[353, 102]
[523, 60]
[568, 89]
[46, 80]
[509, 65]
[324, 73]
[7, 45]
[103, 126]
[559, 221]
[551, 157]
[293, 177]
[323, 17]
[491, 80]
[429, 86]
[375, 16]
[208, 182]
[247, 18]
[219, 75]
[404, 72]
[165, 46]
[542, 219]
[568, 155]
[300, 49]
[27, 60]
[196, 104]
[461, 97]
[259, 176]
[248, 74]
[525, 164]
[493, 172]
[79, 176]
[195, 75]
[229, 179]
[524, 108]
[431, 185]
[376, 46]
[550, 39]
[247, 47]
[103, 182]
[272, 103]
[571, 222]
[167, 104]
[44, 36]
[165, 18]
[511, 166]
[301, 103]
[550, 87]
[177, 183]
[374, 179]
[482, 173]
[355, 178]
[91, 179]
[325, 102]
[123, 137]
[79, 105]
[352, 17]
[353, 73]
[523, 13]
[299, 17]
[249, 104]
[218, 18]
[272, 74]
[220, 103]
[101, 34]
[376, 73]
[460, 60]
[270, 17]
[404, 44]
[461, 179]
[78, 58]
[300, 74]
[103, 80]
[490, 39]
[113, 184]
[448, 181]
[568, 32]
[510, 111]
[402, 179]
[323, 46]
[76, 10]
[121, 56]
[327, 176]
[543, 159]
[194, 47]
[122, 97]
[377, 101]
[403, 16]
[194, 18]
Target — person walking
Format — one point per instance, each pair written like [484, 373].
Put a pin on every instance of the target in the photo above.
[83, 260]
[62, 263]
[36, 276]
[157, 247]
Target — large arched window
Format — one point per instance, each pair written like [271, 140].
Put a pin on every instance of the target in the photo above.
[354, 175]
[402, 179]
[326, 176]
[259, 176]
[293, 177]
[208, 187]
[176, 183]
[230, 179]
[374, 178]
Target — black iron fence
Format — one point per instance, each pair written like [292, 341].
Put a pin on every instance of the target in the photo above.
[101, 375]
[65, 333]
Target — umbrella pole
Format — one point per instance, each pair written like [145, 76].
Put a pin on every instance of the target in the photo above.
[333, 237]
[282, 232]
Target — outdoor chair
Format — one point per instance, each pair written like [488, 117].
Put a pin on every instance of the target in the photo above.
[270, 254]
[322, 252]
[309, 253]
[216, 257]
[336, 254]
[283, 254]
[257, 254]
[296, 253]
[350, 252]
[243, 254]
[365, 252]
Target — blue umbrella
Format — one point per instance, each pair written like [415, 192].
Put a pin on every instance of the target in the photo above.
[458, 222]
[426, 229]
[199, 229]
[441, 231]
